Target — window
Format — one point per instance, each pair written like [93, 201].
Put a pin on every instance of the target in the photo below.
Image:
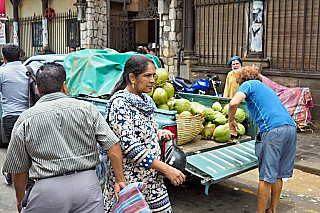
[73, 33]
[37, 34]
[36, 64]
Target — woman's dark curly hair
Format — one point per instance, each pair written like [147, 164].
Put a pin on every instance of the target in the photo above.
[247, 73]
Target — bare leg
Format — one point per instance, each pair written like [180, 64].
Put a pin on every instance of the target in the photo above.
[264, 189]
[275, 195]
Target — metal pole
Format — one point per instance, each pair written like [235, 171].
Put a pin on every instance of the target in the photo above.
[310, 47]
[15, 4]
[45, 40]
[291, 14]
[304, 34]
[317, 52]
[188, 30]
[284, 33]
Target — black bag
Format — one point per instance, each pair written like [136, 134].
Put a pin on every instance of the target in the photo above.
[33, 94]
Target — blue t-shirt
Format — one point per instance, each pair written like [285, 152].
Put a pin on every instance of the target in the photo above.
[265, 106]
[14, 88]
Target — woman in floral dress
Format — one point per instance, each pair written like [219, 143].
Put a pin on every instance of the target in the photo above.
[129, 113]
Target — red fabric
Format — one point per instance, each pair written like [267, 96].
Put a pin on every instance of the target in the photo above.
[297, 100]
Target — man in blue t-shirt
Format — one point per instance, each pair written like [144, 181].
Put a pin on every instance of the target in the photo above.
[276, 141]
[14, 85]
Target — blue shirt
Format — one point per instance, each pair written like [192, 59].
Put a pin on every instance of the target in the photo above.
[265, 106]
[14, 88]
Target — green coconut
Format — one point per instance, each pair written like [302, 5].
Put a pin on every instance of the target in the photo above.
[169, 89]
[202, 127]
[198, 109]
[211, 115]
[222, 133]
[163, 106]
[216, 106]
[171, 105]
[208, 110]
[213, 126]
[182, 105]
[226, 109]
[241, 129]
[161, 75]
[207, 133]
[186, 113]
[159, 96]
[240, 115]
[150, 93]
[220, 119]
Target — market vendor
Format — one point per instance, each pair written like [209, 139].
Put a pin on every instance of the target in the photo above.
[275, 144]
[231, 85]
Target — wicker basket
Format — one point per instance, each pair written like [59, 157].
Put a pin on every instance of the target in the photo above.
[188, 128]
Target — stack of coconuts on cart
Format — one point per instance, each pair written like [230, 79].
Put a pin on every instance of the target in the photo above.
[193, 118]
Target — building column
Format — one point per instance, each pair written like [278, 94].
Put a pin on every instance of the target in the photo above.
[94, 30]
[170, 34]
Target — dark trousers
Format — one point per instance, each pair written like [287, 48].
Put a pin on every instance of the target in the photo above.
[8, 124]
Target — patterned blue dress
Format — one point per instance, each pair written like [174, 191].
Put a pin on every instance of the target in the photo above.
[131, 118]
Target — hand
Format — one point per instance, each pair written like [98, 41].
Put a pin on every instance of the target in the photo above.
[169, 135]
[232, 127]
[175, 176]
[118, 186]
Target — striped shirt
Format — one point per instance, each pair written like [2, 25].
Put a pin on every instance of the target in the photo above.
[57, 135]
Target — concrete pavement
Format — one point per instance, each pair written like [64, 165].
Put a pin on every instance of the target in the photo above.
[308, 151]
[307, 160]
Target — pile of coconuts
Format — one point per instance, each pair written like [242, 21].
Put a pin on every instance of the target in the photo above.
[215, 124]
[162, 90]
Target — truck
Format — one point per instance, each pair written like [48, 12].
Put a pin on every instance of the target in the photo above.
[207, 160]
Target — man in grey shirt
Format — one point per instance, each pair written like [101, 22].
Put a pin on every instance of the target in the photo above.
[56, 142]
[14, 90]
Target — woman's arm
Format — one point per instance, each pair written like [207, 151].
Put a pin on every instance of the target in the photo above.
[122, 122]
[174, 175]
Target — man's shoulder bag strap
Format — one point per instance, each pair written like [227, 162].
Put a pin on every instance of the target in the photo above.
[31, 84]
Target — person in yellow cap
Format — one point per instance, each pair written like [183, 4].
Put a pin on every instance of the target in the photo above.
[231, 86]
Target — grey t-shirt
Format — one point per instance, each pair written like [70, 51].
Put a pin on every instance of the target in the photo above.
[14, 88]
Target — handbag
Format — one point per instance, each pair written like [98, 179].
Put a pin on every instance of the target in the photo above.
[131, 200]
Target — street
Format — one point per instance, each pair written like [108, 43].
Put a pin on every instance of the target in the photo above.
[237, 194]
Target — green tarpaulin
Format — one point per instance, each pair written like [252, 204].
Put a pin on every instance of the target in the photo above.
[95, 72]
